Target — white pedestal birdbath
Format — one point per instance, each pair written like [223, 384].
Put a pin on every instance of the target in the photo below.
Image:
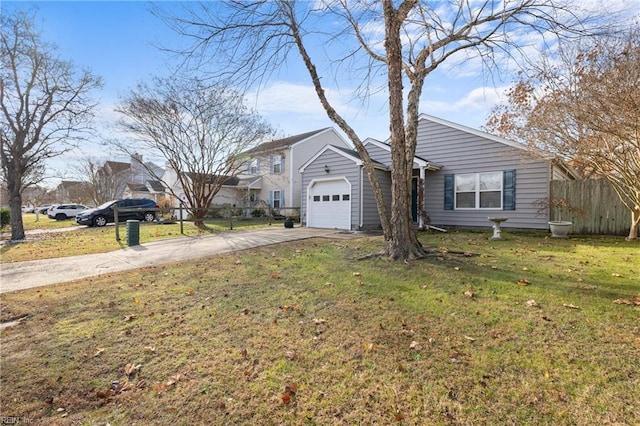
[496, 227]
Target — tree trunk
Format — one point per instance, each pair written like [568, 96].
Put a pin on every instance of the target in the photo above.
[15, 208]
[339, 120]
[635, 223]
[403, 243]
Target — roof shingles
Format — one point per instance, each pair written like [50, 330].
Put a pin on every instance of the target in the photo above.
[282, 143]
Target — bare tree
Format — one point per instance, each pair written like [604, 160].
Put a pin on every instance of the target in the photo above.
[584, 105]
[384, 45]
[200, 131]
[103, 183]
[44, 105]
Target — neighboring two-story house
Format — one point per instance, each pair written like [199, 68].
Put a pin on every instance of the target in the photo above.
[269, 177]
[272, 177]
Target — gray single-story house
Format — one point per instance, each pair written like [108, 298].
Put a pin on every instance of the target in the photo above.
[462, 176]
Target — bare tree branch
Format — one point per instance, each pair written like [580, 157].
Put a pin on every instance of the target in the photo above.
[584, 107]
[44, 107]
[200, 131]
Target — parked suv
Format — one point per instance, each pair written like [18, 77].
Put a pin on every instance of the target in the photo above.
[129, 209]
[65, 211]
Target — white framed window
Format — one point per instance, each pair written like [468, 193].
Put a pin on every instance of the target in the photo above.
[479, 191]
[276, 164]
[254, 167]
[277, 199]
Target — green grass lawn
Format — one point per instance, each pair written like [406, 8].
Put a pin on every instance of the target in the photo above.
[530, 330]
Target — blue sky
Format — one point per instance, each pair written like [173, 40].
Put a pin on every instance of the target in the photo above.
[116, 41]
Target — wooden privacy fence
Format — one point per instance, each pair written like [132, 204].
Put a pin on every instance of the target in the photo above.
[604, 213]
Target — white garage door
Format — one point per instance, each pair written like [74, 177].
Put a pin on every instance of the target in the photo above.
[329, 205]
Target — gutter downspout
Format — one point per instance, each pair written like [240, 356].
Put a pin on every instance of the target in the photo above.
[361, 207]
[291, 179]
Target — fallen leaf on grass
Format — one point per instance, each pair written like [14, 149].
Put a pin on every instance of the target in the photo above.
[174, 379]
[131, 369]
[291, 308]
[289, 392]
[524, 282]
[159, 388]
[106, 394]
[370, 347]
[634, 301]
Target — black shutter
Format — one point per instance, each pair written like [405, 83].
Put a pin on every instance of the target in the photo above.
[509, 190]
[449, 183]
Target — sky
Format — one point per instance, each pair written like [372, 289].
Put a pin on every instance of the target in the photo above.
[118, 41]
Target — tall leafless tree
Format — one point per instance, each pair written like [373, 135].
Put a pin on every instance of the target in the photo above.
[199, 130]
[385, 45]
[103, 183]
[584, 104]
[44, 103]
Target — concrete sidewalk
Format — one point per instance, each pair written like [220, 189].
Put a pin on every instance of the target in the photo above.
[36, 273]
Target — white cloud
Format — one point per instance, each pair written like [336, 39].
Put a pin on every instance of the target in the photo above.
[470, 110]
[295, 108]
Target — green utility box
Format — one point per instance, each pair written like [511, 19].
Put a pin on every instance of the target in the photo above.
[133, 233]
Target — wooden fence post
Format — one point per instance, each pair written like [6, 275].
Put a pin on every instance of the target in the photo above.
[115, 219]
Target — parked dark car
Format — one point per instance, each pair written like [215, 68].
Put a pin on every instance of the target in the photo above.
[129, 209]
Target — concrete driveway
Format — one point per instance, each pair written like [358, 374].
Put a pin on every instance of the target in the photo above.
[36, 273]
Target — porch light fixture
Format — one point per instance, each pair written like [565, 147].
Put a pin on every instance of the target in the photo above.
[326, 169]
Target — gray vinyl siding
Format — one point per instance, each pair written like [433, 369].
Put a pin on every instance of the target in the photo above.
[340, 166]
[459, 152]
[370, 215]
[301, 152]
[378, 154]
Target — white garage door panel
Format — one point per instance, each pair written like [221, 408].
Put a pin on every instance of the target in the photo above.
[330, 205]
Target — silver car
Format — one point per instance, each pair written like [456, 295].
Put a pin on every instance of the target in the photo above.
[65, 211]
